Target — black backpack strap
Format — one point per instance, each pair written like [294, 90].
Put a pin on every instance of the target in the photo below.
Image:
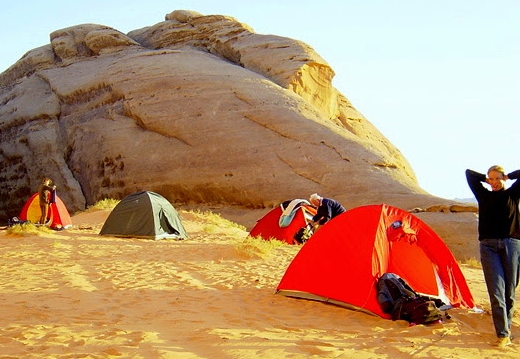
[398, 308]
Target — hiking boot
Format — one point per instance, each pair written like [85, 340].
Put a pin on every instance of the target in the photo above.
[503, 342]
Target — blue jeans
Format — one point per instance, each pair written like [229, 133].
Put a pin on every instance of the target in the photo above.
[500, 260]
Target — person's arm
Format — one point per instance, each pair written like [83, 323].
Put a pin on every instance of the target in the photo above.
[515, 187]
[326, 213]
[475, 180]
[321, 213]
[513, 175]
[317, 218]
[324, 220]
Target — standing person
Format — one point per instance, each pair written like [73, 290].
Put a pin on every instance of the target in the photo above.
[499, 236]
[327, 209]
[44, 194]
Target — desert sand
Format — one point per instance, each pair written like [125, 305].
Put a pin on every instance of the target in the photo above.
[76, 294]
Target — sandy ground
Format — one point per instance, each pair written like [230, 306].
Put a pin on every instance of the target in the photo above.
[75, 294]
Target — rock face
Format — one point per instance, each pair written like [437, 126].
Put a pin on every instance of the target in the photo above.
[200, 109]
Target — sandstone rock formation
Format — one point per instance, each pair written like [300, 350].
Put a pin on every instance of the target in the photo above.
[198, 108]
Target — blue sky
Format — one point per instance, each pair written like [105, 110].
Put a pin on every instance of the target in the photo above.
[440, 79]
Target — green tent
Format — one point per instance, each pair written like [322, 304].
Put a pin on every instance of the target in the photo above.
[145, 215]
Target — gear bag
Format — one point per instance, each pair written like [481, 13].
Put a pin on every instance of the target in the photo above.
[303, 234]
[396, 297]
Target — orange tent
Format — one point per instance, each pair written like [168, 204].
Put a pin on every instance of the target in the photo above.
[58, 216]
[268, 227]
[342, 262]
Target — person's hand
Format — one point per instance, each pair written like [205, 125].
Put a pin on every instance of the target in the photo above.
[506, 178]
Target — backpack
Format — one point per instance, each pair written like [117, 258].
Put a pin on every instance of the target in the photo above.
[418, 310]
[396, 297]
[303, 234]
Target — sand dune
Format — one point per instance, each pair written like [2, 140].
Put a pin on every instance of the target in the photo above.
[75, 294]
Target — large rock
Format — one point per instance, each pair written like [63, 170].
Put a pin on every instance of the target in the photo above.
[198, 108]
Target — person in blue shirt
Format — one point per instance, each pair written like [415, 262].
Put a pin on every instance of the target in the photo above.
[327, 209]
[499, 237]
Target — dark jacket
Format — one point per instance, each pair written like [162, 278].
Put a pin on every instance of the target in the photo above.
[327, 210]
[498, 212]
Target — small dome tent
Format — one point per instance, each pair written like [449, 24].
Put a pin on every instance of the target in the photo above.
[342, 262]
[57, 218]
[283, 221]
[144, 214]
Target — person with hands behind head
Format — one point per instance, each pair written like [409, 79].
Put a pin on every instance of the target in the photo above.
[499, 237]
[327, 209]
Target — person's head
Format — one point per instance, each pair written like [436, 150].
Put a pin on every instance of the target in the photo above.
[46, 181]
[495, 177]
[315, 199]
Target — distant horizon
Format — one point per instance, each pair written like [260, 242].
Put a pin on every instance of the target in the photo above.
[466, 200]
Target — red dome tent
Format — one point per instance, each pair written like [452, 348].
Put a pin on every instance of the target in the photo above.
[268, 226]
[58, 216]
[342, 261]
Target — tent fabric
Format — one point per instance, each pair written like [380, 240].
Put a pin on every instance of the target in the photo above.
[290, 210]
[144, 214]
[342, 261]
[268, 227]
[57, 218]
